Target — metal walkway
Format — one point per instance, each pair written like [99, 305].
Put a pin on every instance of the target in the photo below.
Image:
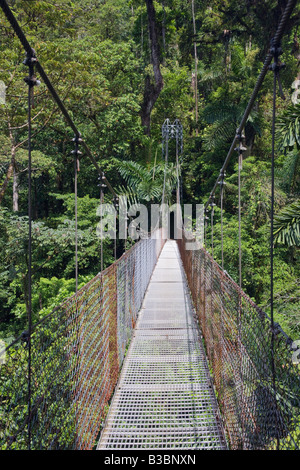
[164, 398]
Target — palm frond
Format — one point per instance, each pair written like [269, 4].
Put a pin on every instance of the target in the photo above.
[218, 134]
[288, 128]
[207, 75]
[222, 112]
[289, 173]
[129, 193]
[133, 172]
[140, 184]
[287, 225]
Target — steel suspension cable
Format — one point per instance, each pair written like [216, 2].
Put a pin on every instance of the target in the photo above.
[239, 217]
[177, 171]
[272, 243]
[241, 148]
[275, 67]
[30, 80]
[115, 247]
[77, 330]
[222, 183]
[165, 168]
[76, 225]
[165, 157]
[76, 154]
[212, 205]
[101, 241]
[102, 187]
[179, 220]
[205, 227]
[116, 206]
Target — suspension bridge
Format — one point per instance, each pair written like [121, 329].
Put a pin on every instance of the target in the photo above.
[162, 349]
[165, 395]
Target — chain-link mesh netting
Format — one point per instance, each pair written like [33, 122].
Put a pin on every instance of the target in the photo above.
[76, 354]
[257, 378]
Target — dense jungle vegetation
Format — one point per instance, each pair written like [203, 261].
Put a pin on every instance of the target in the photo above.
[121, 68]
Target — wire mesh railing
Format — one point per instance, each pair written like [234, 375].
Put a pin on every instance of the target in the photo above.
[257, 413]
[76, 355]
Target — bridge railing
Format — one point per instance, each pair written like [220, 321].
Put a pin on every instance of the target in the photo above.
[75, 357]
[257, 384]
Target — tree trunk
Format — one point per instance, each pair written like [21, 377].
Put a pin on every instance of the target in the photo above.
[152, 90]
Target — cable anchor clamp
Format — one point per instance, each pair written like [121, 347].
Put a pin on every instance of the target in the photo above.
[240, 136]
[276, 51]
[29, 61]
[25, 338]
[222, 181]
[77, 139]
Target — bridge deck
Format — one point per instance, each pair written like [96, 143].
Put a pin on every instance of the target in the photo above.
[164, 398]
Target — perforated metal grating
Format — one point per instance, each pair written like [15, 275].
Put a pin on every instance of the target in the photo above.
[164, 398]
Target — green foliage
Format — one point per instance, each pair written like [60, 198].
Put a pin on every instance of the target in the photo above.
[52, 292]
[288, 174]
[288, 128]
[147, 183]
[97, 54]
